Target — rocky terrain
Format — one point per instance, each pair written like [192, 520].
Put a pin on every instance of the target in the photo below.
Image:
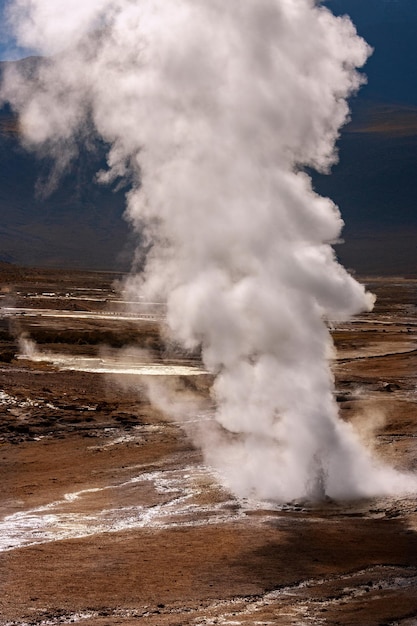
[109, 514]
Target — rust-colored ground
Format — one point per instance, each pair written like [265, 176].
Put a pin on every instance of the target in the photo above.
[117, 521]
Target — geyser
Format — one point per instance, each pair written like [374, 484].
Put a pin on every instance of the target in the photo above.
[213, 108]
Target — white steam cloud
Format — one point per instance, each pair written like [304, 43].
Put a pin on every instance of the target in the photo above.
[212, 108]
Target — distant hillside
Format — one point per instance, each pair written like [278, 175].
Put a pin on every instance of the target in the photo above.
[390, 27]
[79, 225]
[375, 183]
[375, 186]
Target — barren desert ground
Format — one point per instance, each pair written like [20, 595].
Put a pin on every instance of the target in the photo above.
[109, 514]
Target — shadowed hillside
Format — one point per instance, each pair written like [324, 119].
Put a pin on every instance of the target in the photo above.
[375, 186]
[79, 225]
[375, 182]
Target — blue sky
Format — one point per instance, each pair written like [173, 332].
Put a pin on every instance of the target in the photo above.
[8, 49]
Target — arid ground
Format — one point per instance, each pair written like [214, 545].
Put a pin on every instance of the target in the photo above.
[109, 514]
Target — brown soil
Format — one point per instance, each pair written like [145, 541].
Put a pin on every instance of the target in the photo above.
[219, 561]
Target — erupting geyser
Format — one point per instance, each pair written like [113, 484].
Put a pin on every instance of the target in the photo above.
[213, 108]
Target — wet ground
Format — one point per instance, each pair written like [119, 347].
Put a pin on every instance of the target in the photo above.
[108, 514]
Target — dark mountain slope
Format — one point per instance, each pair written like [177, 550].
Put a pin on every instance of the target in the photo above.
[79, 225]
[390, 27]
[375, 186]
[375, 183]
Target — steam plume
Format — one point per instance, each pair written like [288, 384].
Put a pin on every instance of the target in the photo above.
[213, 108]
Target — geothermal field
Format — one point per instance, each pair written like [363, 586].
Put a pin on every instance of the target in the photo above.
[110, 513]
[227, 435]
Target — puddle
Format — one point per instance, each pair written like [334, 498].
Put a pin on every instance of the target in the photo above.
[112, 366]
[82, 315]
[174, 503]
[376, 349]
[12, 401]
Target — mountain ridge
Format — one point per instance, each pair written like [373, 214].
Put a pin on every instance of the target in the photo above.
[374, 183]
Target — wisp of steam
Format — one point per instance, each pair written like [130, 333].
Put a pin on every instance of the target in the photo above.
[214, 110]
